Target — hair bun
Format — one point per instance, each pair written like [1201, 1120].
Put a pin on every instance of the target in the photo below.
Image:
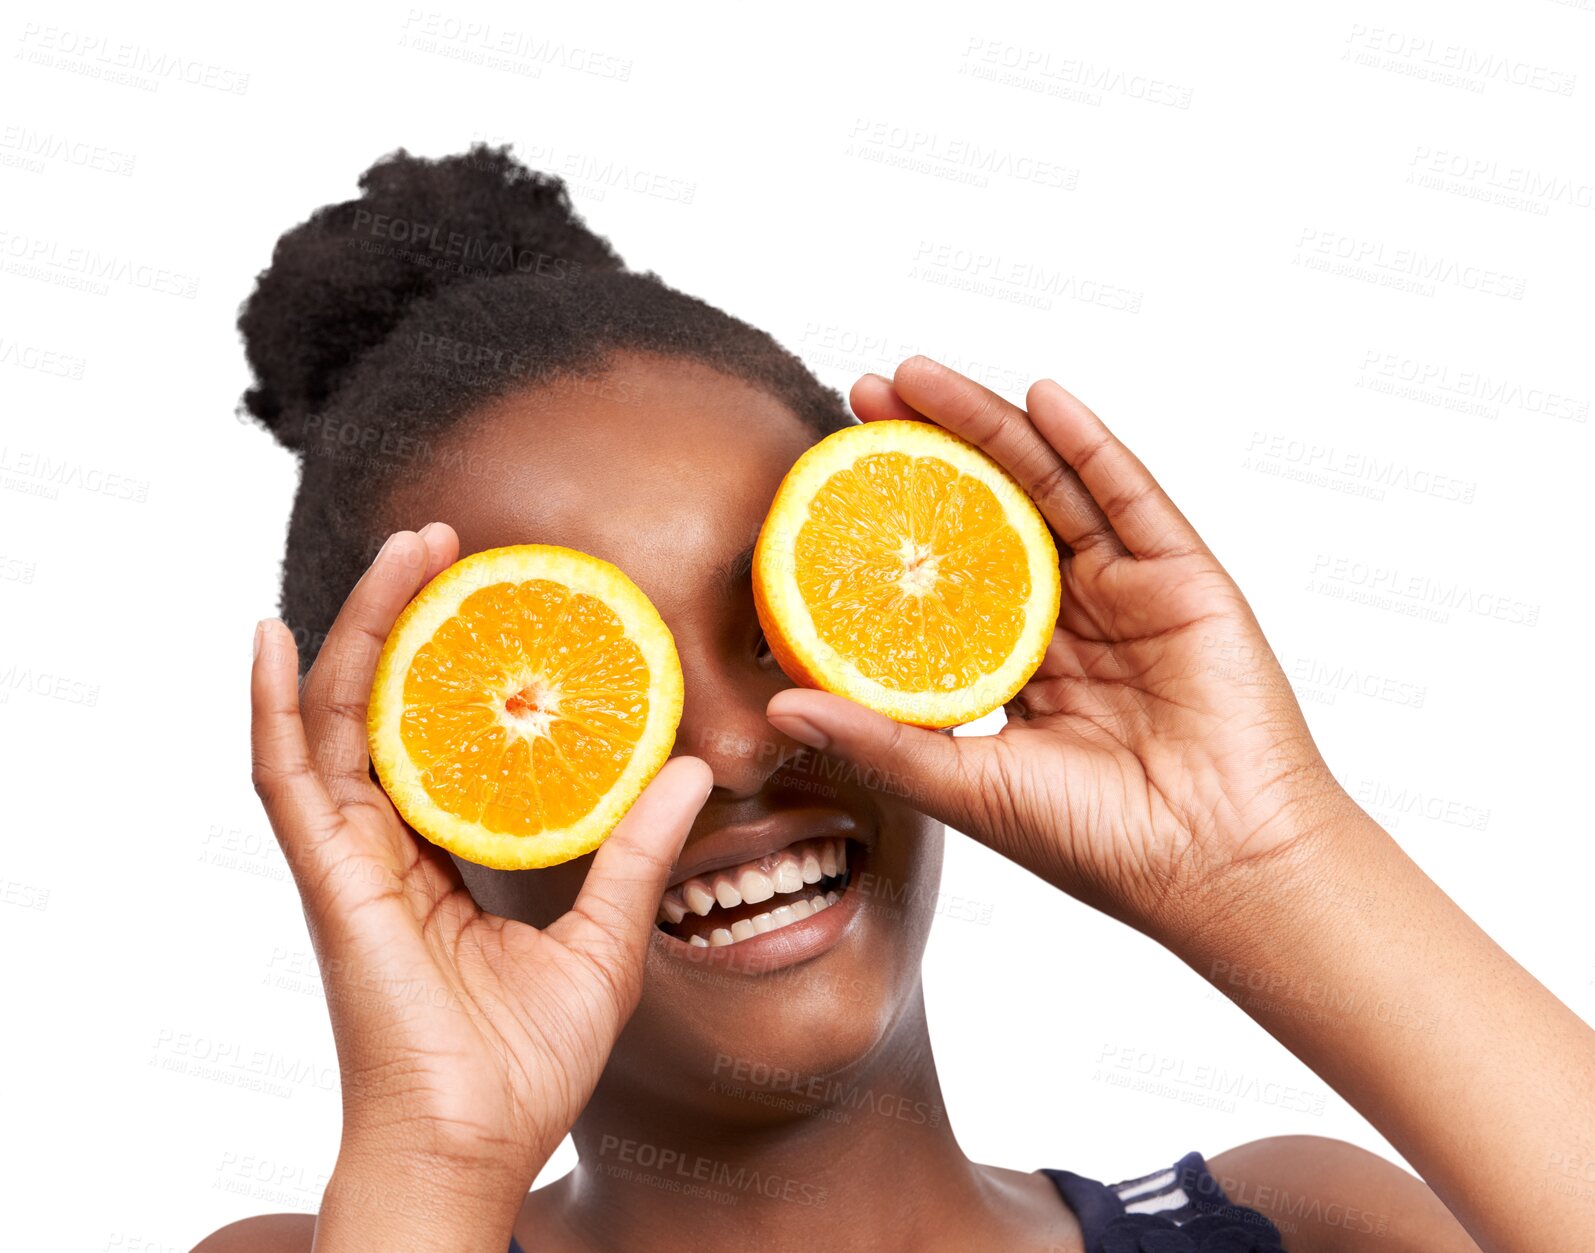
[340, 282]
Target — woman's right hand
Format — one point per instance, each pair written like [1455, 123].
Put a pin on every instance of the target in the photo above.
[467, 1043]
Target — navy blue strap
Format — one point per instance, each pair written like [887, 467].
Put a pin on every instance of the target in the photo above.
[1092, 1202]
[515, 1246]
[1181, 1209]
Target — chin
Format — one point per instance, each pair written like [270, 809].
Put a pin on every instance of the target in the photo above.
[728, 1027]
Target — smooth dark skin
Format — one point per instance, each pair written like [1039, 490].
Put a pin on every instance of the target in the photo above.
[707, 453]
[671, 482]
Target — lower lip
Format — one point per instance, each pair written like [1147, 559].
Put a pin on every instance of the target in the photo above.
[787, 946]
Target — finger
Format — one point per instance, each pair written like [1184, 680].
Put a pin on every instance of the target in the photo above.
[927, 769]
[615, 911]
[338, 687]
[442, 548]
[1005, 433]
[874, 400]
[297, 804]
[1139, 510]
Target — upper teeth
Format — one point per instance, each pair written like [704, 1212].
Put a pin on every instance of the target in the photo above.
[783, 916]
[808, 861]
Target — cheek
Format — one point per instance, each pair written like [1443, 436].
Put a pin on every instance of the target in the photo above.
[537, 897]
[922, 872]
[903, 883]
[926, 842]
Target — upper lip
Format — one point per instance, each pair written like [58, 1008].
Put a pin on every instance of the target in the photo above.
[749, 841]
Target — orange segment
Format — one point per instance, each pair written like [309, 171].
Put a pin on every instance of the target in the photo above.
[902, 567]
[521, 703]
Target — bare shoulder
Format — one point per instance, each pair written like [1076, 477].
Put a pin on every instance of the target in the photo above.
[1328, 1196]
[267, 1233]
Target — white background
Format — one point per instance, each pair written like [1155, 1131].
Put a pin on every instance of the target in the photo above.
[1199, 218]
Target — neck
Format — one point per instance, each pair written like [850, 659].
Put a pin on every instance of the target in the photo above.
[873, 1150]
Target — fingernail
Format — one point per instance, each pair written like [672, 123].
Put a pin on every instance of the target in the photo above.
[386, 545]
[260, 634]
[427, 529]
[800, 729]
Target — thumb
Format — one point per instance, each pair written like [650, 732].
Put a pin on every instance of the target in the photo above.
[928, 769]
[614, 913]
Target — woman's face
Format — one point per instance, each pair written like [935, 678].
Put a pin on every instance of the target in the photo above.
[666, 468]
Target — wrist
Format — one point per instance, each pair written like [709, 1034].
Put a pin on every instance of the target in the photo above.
[1313, 865]
[432, 1200]
[431, 1131]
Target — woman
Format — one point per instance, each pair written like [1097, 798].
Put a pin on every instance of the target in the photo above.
[455, 345]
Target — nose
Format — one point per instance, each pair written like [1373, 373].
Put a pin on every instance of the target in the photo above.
[723, 722]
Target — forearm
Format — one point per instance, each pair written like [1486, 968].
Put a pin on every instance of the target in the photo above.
[426, 1203]
[1360, 965]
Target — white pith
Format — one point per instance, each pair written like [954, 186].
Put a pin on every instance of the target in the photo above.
[541, 695]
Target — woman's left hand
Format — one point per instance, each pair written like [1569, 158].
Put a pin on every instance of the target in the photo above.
[1158, 767]
[1159, 745]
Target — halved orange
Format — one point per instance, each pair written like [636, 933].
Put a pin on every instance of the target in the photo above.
[902, 567]
[521, 703]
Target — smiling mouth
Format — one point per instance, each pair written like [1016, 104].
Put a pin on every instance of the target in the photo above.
[726, 906]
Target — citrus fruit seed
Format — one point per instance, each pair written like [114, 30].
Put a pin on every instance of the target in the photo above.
[521, 703]
[902, 567]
